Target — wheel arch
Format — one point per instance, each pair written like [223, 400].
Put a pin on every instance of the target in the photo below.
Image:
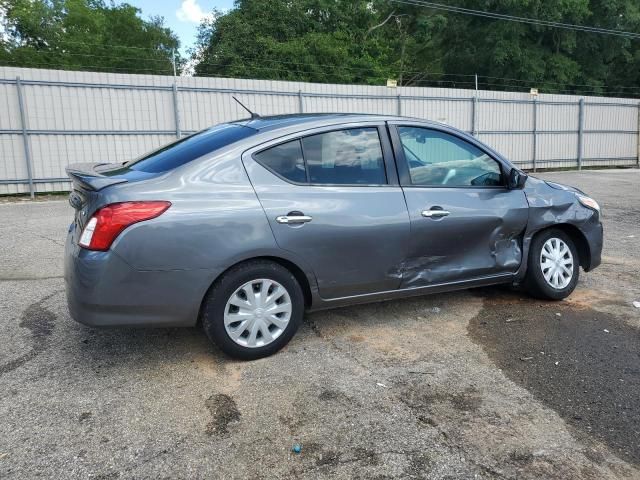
[299, 274]
[577, 237]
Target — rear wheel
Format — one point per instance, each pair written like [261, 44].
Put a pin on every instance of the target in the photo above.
[554, 266]
[253, 310]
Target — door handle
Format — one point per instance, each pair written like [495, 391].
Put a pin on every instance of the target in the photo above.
[435, 213]
[293, 219]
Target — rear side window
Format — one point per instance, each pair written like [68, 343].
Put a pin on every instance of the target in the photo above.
[285, 160]
[342, 157]
[351, 156]
[189, 148]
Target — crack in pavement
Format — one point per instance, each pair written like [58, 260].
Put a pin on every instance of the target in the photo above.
[61, 244]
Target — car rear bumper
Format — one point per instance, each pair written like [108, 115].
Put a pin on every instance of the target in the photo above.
[103, 290]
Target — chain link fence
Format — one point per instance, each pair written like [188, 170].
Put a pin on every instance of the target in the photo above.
[54, 118]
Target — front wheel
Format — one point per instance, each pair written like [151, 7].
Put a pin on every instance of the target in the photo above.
[253, 310]
[554, 267]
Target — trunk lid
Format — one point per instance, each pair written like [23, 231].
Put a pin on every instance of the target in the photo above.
[89, 179]
[89, 176]
[86, 183]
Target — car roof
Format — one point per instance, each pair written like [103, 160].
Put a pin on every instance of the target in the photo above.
[275, 122]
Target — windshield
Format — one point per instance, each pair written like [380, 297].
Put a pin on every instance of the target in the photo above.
[189, 148]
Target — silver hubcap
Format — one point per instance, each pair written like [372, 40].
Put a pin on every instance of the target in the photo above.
[257, 313]
[556, 263]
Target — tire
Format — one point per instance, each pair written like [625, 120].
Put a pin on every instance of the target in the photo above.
[238, 305]
[559, 287]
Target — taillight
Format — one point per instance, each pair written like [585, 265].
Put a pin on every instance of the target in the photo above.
[109, 221]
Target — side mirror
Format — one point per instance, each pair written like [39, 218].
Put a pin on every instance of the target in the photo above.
[517, 179]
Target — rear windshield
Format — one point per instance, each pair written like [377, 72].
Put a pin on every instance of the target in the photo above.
[189, 148]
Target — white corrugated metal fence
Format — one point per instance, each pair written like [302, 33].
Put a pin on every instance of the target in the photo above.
[53, 118]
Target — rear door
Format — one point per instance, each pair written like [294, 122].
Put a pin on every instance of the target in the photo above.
[465, 223]
[332, 198]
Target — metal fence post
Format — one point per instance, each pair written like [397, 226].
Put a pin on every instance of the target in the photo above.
[300, 103]
[399, 106]
[535, 132]
[638, 160]
[176, 112]
[25, 137]
[474, 116]
[580, 132]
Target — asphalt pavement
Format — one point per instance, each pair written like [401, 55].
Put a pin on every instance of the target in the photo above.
[484, 383]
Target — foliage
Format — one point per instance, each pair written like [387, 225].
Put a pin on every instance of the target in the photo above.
[315, 40]
[368, 41]
[84, 35]
[343, 41]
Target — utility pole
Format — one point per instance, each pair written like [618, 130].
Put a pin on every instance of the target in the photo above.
[476, 82]
[173, 60]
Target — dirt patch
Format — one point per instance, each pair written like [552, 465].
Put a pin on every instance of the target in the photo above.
[356, 338]
[467, 401]
[603, 300]
[375, 328]
[84, 416]
[223, 411]
[327, 458]
[583, 363]
[329, 395]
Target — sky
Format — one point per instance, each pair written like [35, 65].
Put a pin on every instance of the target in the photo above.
[181, 16]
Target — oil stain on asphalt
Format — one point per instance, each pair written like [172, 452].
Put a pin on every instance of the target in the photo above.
[39, 321]
[223, 411]
[582, 363]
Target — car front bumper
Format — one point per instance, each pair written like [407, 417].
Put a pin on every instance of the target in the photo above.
[594, 235]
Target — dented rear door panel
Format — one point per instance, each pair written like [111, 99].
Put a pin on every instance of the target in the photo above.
[481, 236]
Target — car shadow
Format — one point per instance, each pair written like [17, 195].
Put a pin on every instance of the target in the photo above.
[139, 347]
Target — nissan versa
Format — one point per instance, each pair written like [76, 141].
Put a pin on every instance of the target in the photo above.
[244, 226]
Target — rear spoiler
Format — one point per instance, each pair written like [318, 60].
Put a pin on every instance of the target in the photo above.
[86, 176]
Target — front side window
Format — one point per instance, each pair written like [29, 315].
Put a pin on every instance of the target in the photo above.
[436, 158]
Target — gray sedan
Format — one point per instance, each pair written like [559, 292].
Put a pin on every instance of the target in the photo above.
[244, 226]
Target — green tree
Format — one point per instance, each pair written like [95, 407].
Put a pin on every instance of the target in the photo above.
[364, 41]
[613, 63]
[336, 41]
[84, 35]
[556, 60]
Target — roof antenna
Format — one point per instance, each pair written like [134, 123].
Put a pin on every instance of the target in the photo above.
[253, 115]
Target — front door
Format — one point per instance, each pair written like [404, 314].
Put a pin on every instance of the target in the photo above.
[332, 198]
[465, 223]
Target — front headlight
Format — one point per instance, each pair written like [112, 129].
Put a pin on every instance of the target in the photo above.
[588, 202]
